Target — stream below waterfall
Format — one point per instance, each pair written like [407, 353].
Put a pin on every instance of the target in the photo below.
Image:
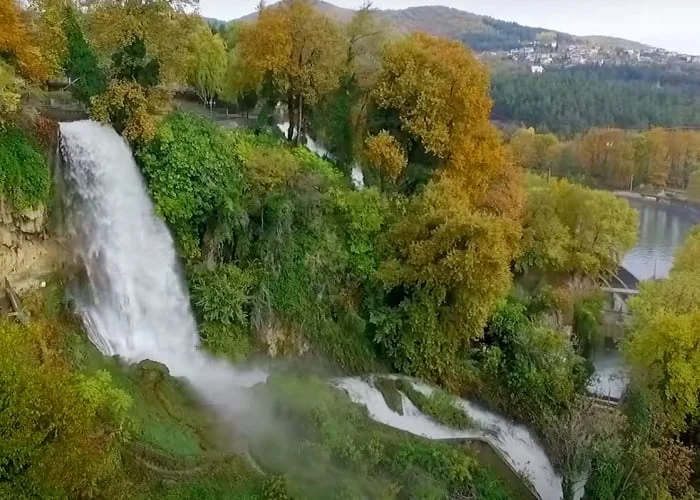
[135, 304]
[515, 442]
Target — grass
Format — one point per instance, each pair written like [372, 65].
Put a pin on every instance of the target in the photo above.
[318, 444]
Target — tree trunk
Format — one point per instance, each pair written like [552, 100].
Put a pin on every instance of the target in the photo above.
[292, 116]
[300, 125]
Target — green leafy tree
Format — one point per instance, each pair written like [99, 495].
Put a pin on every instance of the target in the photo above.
[569, 228]
[663, 344]
[208, 65]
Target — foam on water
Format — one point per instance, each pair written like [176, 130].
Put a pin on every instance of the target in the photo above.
[515, 442]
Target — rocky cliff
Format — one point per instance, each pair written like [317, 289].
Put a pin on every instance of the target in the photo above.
[27, 250]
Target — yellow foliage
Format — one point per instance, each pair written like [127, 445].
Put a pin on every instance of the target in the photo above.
[607, 153]
[163, 25]
[54, 436]
[132, 109]
[48, 30]
[384, 153]
[298, 45]
[10, 94]
[15, 41]
[438, 88]
[298, 48]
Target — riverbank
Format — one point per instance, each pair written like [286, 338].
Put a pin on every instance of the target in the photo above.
[683, 208]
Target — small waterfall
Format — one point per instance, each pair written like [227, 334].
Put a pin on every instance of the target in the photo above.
[515, 442]
[135, 303]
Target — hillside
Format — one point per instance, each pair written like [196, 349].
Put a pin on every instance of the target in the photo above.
[481, 33]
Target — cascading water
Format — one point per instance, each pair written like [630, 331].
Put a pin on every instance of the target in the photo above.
[135, 303]
[517, 444]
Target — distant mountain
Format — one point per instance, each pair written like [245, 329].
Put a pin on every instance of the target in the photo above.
[481, 33]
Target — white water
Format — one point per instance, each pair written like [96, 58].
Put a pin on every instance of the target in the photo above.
[515, 442]
[357, 176]
[135, 304]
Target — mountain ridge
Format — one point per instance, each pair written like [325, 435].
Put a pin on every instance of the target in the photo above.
[478, 31]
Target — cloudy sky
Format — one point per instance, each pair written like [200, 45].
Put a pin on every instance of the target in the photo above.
[672, 24]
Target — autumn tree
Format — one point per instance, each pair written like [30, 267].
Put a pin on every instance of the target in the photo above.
[438, 90]
[384, 154]
[663, 346]
[17, 47]
[534, 151]
[448, 255]
[164, 27]
[607, 156]
[655, 157]
[296, 49]
[48, 27]
[11, 89]
[208, 64]
[339, 120]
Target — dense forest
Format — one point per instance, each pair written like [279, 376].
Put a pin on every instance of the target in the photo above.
[448, 263]
[571, 100]
[503, 35]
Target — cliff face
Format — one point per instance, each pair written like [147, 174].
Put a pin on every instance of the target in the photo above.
[28, 252]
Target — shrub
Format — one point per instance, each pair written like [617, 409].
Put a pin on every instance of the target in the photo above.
[440, 405]
[24, 177]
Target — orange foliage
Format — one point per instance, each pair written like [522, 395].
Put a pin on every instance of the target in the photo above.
[17, 45]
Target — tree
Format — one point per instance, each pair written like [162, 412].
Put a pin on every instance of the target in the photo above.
[663, 346]
[438, 90]
[11, 88]
[607, 156]
[208, 65]
[383, 153]
[132, 109]
[17, 46]
[163, 26]
[60, 432]
[81, 63]
[48, 18]
[572, 229]
[299, 50]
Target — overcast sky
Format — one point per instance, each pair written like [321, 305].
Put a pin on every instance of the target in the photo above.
[672, 24]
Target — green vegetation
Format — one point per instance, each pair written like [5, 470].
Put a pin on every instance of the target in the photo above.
[527, 369]
[574, 230]
[284, 257]
[440, 405]
[24, 177]
[81, 63]
[345, 456]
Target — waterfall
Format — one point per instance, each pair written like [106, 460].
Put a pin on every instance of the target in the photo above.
[134, 302]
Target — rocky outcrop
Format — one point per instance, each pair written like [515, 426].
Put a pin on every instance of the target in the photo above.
[281, 340]
[27, 251]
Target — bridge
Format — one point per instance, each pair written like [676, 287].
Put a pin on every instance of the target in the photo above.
[622, 283]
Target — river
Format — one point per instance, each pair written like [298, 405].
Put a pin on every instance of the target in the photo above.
[662, 229]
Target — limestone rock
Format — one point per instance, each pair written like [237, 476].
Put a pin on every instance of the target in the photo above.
[282, 340]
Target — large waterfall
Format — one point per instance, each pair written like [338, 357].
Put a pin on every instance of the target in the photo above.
[134, 303]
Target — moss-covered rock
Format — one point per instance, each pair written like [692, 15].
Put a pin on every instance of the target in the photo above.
[391, 395]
